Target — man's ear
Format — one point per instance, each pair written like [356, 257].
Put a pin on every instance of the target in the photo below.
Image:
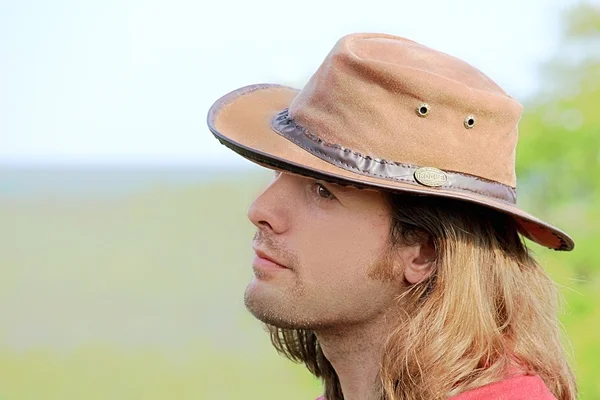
[418, 261]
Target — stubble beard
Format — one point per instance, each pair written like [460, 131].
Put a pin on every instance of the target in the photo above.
[292, 307]
[274, 303]
[285, 310]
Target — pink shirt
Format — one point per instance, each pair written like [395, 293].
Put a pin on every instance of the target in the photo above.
[522, 387]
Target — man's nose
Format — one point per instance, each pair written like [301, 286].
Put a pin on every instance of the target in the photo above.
[270, 210]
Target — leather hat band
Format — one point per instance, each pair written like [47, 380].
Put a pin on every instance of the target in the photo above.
[355, 162]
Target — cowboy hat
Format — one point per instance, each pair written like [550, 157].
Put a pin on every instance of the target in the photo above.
[386, 112]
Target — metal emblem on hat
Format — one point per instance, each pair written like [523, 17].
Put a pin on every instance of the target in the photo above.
[430, 176]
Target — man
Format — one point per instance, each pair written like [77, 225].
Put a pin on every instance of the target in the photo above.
[388, 251]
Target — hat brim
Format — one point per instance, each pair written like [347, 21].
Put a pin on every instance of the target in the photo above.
[241, 120]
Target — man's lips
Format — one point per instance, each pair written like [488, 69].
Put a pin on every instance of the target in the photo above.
[263, 259]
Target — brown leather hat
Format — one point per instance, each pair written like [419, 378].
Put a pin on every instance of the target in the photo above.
[385, 112]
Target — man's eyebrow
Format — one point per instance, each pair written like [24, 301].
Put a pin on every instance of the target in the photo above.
[338, 187]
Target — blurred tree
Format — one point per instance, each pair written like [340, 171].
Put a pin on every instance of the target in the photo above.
[558, 157]
[558, 164]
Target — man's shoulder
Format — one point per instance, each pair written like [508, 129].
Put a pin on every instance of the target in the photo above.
[520, 387]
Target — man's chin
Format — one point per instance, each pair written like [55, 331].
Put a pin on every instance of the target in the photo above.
[269, 306]
[262, 303]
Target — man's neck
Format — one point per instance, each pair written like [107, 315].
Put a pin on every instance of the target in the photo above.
[355, 354]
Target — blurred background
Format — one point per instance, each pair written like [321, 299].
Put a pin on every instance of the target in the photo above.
[124, 244]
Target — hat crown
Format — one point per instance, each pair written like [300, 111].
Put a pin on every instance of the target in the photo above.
[390, 98]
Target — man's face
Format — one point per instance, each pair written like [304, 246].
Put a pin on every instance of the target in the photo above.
[334, 243]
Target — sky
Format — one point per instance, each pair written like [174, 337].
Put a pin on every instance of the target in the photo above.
[131, 81]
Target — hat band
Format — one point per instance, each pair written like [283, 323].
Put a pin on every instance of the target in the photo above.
[355, 162]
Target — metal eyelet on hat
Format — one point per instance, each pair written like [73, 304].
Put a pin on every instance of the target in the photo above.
[470, 122]
[423, 110]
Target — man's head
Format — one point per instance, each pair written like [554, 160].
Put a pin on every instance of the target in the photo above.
[431, 240]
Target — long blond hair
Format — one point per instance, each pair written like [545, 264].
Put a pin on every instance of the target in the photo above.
[487, 309]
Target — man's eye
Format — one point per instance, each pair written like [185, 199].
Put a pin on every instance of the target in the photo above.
[323, 192]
